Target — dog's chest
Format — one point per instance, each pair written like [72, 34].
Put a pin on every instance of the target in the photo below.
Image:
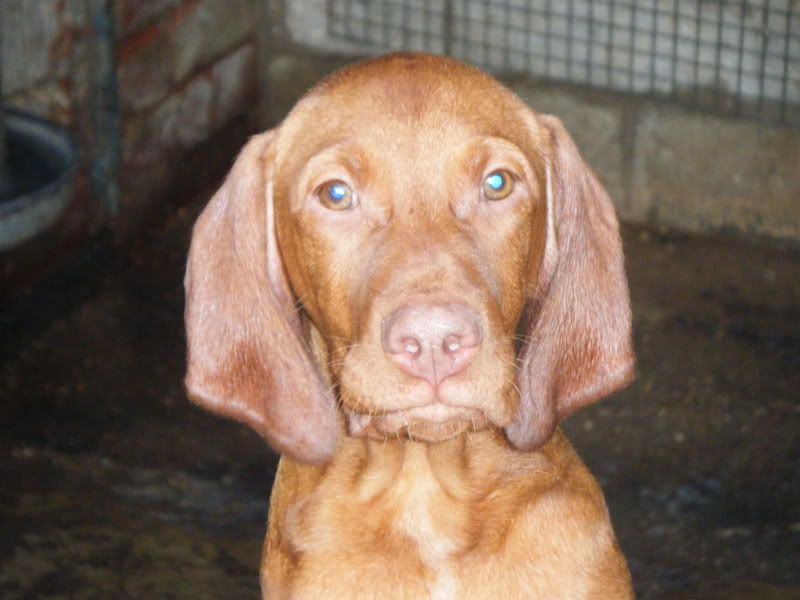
[397, 534]
[429, 517]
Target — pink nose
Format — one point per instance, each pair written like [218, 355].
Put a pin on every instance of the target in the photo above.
[432, 341]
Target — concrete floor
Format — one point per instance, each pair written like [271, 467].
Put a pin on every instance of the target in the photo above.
[114, 486]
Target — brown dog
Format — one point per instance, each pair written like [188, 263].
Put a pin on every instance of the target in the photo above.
[403, 288]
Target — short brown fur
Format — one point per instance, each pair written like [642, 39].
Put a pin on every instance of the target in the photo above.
[286, 300]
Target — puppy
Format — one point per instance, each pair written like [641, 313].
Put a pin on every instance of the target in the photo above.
[403, 288]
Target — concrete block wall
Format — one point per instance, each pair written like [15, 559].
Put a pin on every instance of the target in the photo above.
[680, 169]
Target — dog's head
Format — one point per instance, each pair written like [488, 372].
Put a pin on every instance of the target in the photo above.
[415, 252]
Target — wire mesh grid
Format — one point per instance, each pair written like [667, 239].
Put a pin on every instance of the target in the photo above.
[734, 56]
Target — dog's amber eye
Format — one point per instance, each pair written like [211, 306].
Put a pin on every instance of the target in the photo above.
[498, 185]
[336, 195]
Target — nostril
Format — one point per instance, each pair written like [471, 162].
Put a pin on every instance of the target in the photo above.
[411, 346]
[452, 344]
[469, 336]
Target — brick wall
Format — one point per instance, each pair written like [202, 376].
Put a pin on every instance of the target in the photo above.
[145, 85]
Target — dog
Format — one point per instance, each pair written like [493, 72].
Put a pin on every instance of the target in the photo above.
[403, 288]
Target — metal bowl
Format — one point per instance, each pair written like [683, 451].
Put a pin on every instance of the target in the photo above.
[39, 179]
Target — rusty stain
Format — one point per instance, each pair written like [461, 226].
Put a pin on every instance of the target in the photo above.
[161, 27]
[137, 42]
[180, 13]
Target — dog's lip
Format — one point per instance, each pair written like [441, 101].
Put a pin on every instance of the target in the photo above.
[431, 422]
[432, 412]
[436, 412]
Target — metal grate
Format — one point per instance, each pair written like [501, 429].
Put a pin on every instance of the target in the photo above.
[736, 56]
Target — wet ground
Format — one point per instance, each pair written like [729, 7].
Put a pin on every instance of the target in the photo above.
[114, 486]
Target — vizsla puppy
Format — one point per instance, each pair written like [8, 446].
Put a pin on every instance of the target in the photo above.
[403, 288]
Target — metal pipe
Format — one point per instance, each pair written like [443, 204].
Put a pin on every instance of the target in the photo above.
[2, 121]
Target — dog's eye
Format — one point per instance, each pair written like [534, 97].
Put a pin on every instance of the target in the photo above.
[498, 185]
[336, 195]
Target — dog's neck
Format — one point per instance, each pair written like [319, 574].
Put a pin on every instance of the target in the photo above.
[416, 468]
[463, 469]
[400, 489]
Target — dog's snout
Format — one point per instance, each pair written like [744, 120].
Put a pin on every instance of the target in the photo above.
[432, 341]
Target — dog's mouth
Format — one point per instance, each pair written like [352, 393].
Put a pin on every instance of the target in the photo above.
[434, 422]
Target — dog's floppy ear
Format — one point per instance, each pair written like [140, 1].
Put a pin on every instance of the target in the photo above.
[579, 345]
[246, 355]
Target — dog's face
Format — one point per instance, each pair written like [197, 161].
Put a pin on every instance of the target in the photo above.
[389, 225]
[415, 212]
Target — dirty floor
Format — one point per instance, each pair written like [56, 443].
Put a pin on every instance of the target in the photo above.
[114, 486]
